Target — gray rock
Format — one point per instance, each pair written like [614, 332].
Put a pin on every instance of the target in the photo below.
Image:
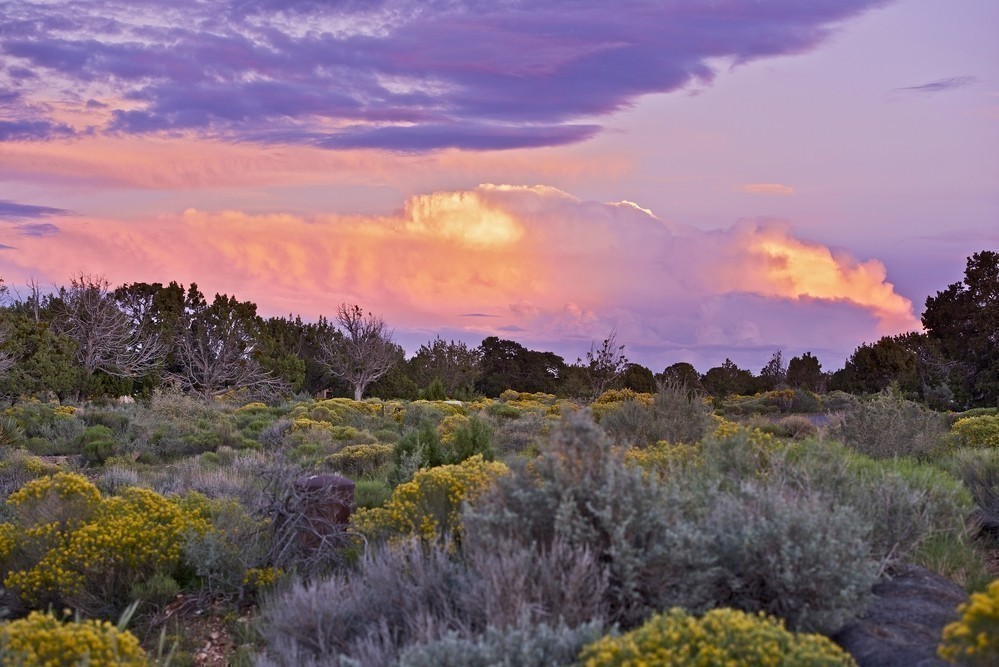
[905, 621]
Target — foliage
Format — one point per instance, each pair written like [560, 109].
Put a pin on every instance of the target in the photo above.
[509, 365]
[727, 380]
[360, 460]
[43, 639]
[472, 437]
[720, 637]
[604, 364]
[982, 431]
[97, 443]
[362, 350]
[451, 364]
[962, 320]
[11, 433]
[71, 547]
[536, 646]
[979, 470]
[888, 426]
[875, 367]
[429, 506]
[974, 639]
[418, 448]
[805, 372]
[675, 415]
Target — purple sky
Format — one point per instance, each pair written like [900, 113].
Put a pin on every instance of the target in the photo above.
[797, 169]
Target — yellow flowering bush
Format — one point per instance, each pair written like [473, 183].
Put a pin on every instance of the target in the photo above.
[360, 459]
[70, 546]
[725, 428]
[430, 505]
[448, 426]
[980, 431]
[42, 640]
[261, 578]
[720, 637]
[974, 638]
[664, 456]
[255, 406]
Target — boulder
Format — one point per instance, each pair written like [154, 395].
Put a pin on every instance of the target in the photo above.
[904, 623]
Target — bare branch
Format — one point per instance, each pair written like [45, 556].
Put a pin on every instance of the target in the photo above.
[106, 340]
[362, 352]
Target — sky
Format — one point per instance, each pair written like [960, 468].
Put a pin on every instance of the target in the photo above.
[708, 179]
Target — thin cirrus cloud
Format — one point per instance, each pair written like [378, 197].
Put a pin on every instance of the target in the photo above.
[10, 210]
[522, 255]
[940, 85]
[403, 75]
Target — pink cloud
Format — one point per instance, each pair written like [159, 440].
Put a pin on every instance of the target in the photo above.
[541, 260]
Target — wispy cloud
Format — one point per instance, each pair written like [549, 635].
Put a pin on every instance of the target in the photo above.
[402, 75]
[37, 230]
[940, 85]
[13, 211]
[767, 189]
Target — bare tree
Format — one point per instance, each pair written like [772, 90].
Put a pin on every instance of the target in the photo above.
[605, 364]
[106, 340]
[214, 351]
[362, 351]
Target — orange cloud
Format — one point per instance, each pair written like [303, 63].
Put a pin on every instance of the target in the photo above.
[537, 259]
[767, 189]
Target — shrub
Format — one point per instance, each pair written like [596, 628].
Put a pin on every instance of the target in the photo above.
[400, 595]
[537, 646]
[674, 414]
[11, 433]
[360, 460]
[789, 555]
[720, 637]
[974, 638]
[580, 490]
[979, 470]
[982, 431]
[97, 443]
[419, 447]
[797, 427]
[42, 639]
[903, 502]
[73, 548]
[371, 493]
[472, 437]
[410, 594]
[233, 544]
[429, 506]
[889, 426]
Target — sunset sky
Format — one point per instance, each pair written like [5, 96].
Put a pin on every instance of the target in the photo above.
[709, 178]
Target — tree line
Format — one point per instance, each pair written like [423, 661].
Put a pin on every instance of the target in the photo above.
[92, 340]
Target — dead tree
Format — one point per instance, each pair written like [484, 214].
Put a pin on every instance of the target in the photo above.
[362, 351]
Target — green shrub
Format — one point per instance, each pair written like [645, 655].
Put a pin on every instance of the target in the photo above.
[419, 447]
[370, 493]
[97, 443]
[503, 411]
[11, 433]
[42, 639]
[720, 637]
[981, 431]
[889, 426]
[974, 639]
[471, 437]
[973, 412]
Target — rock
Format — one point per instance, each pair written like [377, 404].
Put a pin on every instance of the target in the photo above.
[905, 621]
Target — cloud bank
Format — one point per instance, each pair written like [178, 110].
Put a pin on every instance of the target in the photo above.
[403, 75]
[535, 261]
